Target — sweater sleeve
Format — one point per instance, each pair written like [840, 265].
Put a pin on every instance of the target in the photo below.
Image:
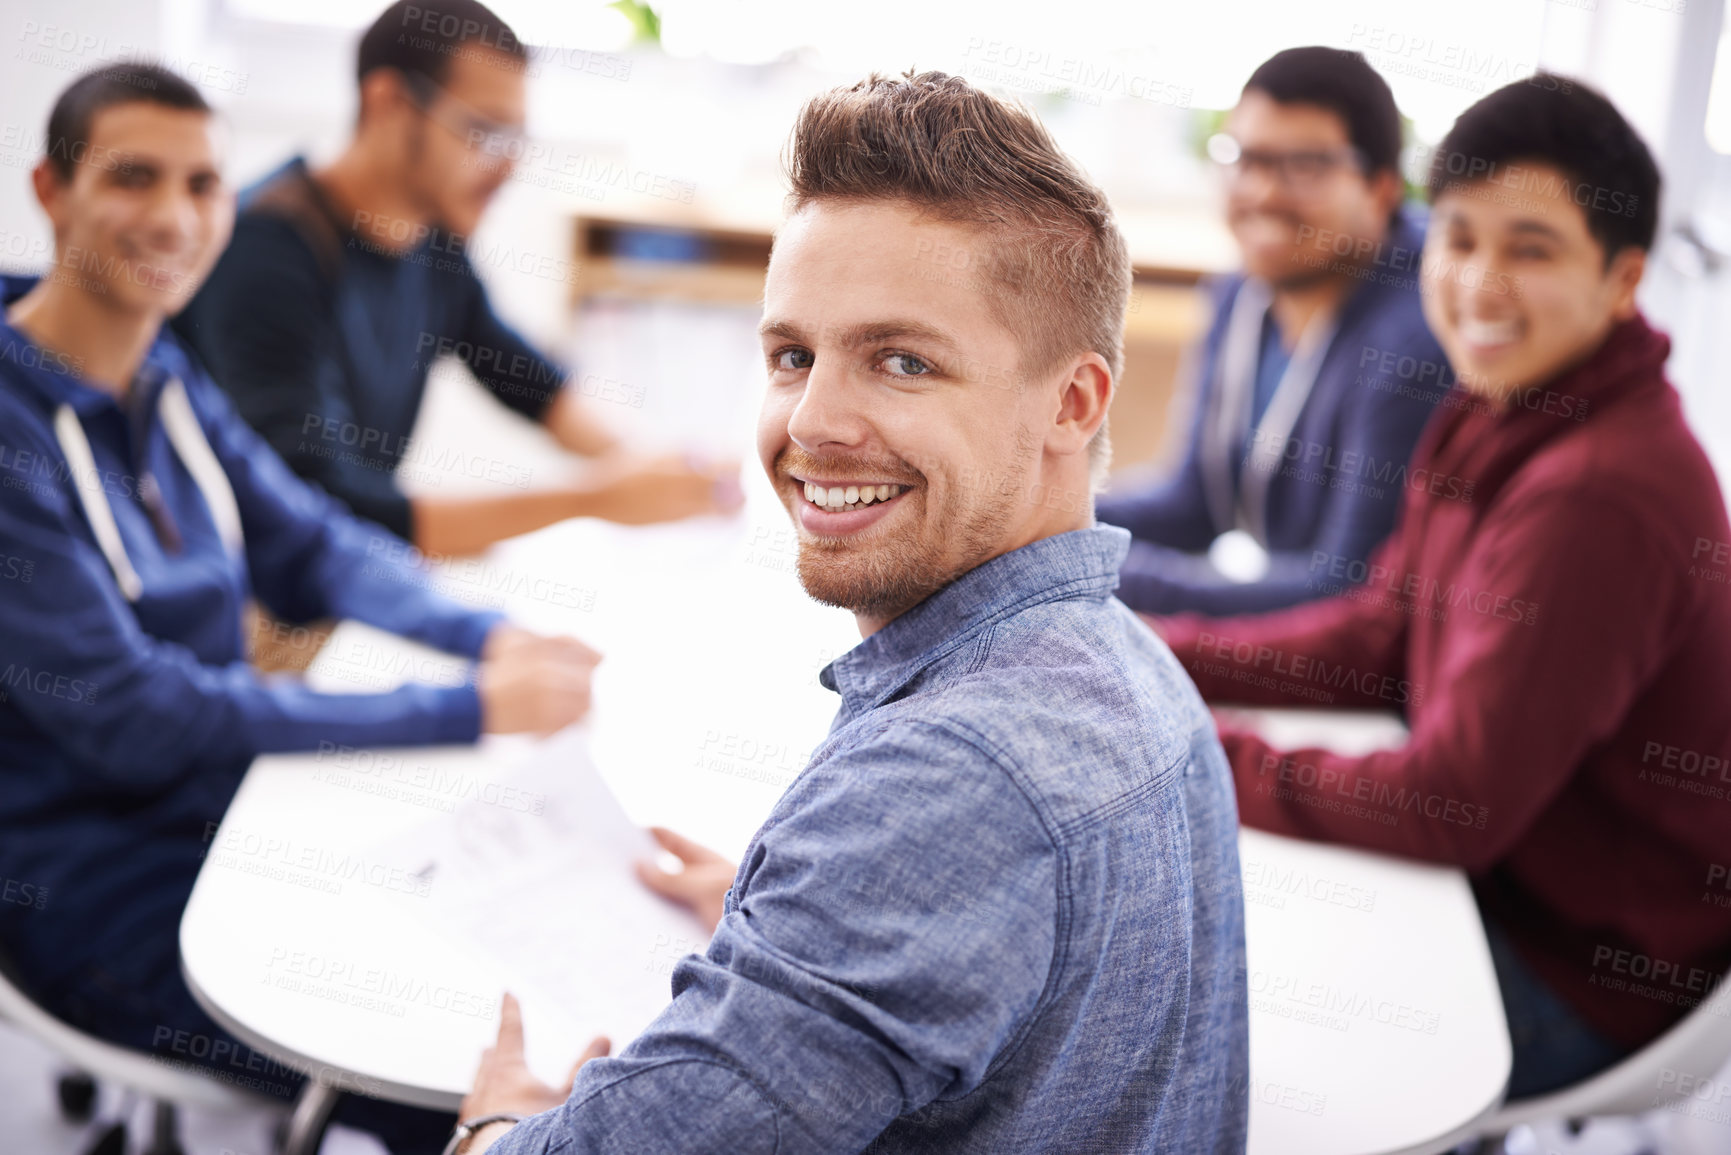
[309, 558]
[1156, 579]
[1345, 651]
[506, 364]
[1520, 692]
[1170, 516]
[139, 713]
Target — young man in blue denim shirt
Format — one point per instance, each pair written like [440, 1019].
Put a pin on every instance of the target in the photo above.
[1000, 909]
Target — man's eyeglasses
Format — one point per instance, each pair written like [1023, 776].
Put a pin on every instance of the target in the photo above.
[476, 129]
[1300, 170]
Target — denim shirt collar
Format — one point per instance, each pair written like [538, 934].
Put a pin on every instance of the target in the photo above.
[1080, 563]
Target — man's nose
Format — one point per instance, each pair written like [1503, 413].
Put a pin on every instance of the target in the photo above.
[830, 412]
[173, 218]
[495, 169]
[1257, 187]
[1480, 279]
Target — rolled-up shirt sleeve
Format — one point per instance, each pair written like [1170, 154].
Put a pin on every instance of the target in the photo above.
[889, 935]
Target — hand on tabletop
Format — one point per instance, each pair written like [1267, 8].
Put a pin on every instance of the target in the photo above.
[533, 683]
[505, 1085]
[632, 489]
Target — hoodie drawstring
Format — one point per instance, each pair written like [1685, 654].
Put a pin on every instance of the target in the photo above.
[190, 445]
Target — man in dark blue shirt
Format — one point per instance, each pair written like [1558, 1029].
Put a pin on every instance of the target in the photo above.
[344, 284]
[1318, 372]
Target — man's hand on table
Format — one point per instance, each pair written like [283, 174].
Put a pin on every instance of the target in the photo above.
[531, 682]
[637, 489]
[703, 883]
[505, 1085]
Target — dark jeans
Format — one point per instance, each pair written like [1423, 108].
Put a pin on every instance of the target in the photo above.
[1554, 1047]
[135, 997]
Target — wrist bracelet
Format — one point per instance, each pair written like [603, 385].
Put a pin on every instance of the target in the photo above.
[465, 1131]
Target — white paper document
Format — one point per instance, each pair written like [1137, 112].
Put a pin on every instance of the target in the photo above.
[536, 870]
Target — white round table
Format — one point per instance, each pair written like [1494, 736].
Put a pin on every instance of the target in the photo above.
[1376, 1025]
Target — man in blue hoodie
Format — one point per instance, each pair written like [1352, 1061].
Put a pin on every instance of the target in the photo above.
[1317, 373]
[138, 514]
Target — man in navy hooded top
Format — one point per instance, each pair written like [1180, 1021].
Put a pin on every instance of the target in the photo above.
[138, 515]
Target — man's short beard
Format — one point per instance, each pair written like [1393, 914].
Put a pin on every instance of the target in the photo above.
[1310, 278]
[898, 574]
[882, 584]
[421, 186]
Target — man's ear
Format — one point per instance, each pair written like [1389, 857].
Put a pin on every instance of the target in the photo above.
[383, 93]
[45, 182]
[1625, 273]
[1083, 399]
[51, 190]
[1388, 190]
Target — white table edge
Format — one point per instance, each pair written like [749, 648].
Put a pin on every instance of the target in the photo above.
[1451, 1139]
[350, 1081]
[331, 1074]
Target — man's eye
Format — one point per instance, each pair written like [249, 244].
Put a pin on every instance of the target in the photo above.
[906, 365]
[1531, 253]
[793, 360]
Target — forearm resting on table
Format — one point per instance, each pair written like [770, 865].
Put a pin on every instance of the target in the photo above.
[573, 426]
[467, 525]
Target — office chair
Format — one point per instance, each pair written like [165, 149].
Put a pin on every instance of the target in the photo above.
[1680, 1063]
[166, 1085]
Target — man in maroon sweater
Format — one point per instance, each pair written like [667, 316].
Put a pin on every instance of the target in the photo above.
[1551, 614]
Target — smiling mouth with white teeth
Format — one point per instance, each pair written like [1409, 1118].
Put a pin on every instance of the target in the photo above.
[843, 498]
[1477, 331]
